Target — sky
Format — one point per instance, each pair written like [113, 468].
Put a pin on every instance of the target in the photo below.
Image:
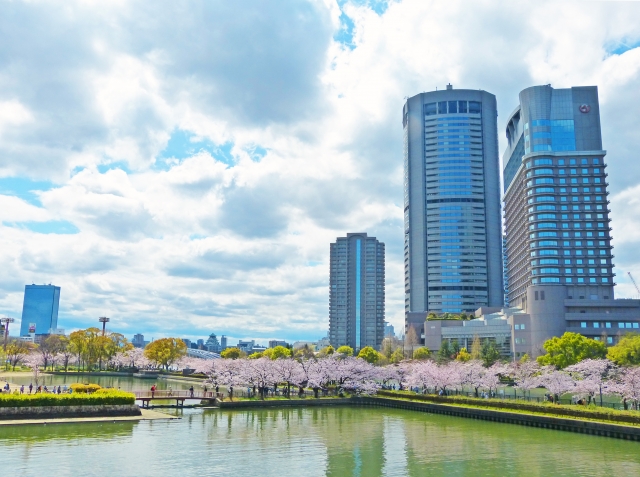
[182, 167]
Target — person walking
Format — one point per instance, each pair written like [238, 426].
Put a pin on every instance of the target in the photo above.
[153, 390]
[191, 391]
[22, 389]
[30, 387]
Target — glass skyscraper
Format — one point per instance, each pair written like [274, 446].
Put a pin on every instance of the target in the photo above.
[356, 296]
[40, 309]
[452, 220]
[556, 207]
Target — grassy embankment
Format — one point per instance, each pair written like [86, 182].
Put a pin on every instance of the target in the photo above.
[586, 413]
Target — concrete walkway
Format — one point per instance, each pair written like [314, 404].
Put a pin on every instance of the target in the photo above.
[147, 415]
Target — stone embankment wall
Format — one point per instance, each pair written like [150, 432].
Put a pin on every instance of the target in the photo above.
[50, 412]
[531, 420]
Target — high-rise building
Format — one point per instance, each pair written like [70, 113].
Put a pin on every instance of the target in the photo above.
[559, 266]
[139, 342]
[212, 344]
[223, 342]
[356, 296]
[40, 310]
[452, 219]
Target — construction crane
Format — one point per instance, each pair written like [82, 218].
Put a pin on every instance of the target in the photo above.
[634, 282]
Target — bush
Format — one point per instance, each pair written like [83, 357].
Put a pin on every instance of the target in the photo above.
[102, 398]
[84, 388]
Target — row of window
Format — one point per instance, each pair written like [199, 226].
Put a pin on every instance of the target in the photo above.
[562, 162]
[453, 107]
[569, 271]
[565, 216]
[607, 324]
[561, 181]
[565, 190]
[562, 172]
[564, 198]
[567, 261]
[570, 280]
[576, 225]
[565, 243]
[568, 252]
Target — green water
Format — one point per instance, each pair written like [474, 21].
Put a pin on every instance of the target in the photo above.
[310, 442]
[125, 383]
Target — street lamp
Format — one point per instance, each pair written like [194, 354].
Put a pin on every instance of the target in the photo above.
[104, 320]
[6, 322]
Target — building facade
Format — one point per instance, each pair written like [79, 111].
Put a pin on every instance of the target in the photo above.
[452, 218]
[356, 292]
[40, 310]
[558, 237]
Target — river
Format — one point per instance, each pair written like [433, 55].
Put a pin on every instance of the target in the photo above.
[330, 441]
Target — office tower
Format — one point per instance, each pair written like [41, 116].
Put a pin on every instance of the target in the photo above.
[452, 220]
[223, 342]
[40, 310]
[138, 341]
[356, 296]
[556, 215]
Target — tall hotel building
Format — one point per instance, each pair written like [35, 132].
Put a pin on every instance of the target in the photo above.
[558, 245]
[452, 219]
[356, 296]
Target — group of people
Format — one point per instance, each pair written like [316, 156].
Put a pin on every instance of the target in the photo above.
[38, 389]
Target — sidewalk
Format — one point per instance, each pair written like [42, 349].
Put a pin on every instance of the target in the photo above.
[147, 415]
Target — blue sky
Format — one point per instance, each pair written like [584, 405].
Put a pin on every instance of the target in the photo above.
[182, 169]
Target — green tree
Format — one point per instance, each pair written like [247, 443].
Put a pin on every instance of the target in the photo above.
[165, 351]
[464, 316]
[231, 353]
[305, 353]
[345, 350]
[396, 356]
[256, 355]
[489, 354]
[422, 353]
[627, 351]
[280, 352]
[463, 355]
[432, 316]
[455, 347]
[326, 351]
[369, 354]
[445, 352]
[569, 349]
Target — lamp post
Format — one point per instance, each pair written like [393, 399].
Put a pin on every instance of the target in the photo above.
[6, 322]
[104, 320]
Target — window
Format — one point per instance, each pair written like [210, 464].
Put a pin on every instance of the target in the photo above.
[543, 162]
[583, 324]
[607, 324]
[550, 280]
[462, 106]
[453, 107]
[596, 325]
[430, 109]
[442, 107]
[609, 340]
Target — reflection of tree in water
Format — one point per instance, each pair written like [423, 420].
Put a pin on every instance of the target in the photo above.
[443, 445]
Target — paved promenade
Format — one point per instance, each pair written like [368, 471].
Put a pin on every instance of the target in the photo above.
[147, 415]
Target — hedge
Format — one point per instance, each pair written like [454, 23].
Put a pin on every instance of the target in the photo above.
[84, 388]
[599, 413]
[102, 397]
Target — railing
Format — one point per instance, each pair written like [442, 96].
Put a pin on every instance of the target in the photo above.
[181, 394]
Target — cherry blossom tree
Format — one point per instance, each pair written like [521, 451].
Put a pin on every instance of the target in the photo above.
[557, 382]
[592, 376]
[525, 375]
[34, 361]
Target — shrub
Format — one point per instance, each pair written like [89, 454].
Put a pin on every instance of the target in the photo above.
[102, 398]
[84, 388]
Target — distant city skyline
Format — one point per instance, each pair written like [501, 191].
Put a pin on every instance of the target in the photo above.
[183, 190]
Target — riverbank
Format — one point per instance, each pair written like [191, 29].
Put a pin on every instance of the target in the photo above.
[145, 415]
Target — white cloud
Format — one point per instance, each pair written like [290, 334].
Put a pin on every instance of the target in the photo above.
[239, 245]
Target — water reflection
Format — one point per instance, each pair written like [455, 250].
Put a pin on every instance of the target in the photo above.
[341, 441]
